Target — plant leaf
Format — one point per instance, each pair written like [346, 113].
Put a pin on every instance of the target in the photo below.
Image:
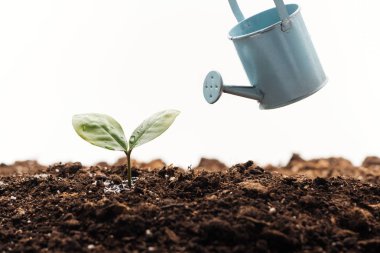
[100, 130]
[152, 127]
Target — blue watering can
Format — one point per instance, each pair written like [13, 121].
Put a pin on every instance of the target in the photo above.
[278, 57]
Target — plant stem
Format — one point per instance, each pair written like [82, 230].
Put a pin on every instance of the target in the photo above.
[129, 169]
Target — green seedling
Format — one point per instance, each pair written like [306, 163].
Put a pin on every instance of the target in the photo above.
[103, 131]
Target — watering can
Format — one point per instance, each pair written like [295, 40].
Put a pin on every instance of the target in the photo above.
[278, 57]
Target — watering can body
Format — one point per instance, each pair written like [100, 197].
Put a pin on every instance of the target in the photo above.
[278, 57]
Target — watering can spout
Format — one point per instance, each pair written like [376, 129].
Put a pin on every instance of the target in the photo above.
[213, 88]
[251, 92]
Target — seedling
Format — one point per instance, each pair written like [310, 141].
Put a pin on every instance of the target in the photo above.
[103, 131]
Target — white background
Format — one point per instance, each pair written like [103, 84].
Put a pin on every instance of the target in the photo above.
[130, 59]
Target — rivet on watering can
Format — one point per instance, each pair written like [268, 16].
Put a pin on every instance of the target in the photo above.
[278, 57]
[286, 25]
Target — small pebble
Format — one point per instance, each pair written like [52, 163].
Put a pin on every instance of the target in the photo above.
[21, 211]
[272, 210]
[116, 179]
[72, 223]
[100, 176]
[91, 246]
[13, 198]
[151, 249]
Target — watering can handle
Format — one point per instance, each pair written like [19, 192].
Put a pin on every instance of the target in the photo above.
[282, 12]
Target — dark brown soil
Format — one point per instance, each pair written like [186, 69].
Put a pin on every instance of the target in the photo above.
[324, 205]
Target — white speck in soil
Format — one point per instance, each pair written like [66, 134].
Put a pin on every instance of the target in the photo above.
[148, 232]
[151, 249]
[13, 198]
[2, 183]
[91, 246]
[41, 175]
[171, 179]
[111, 187]
[272, 210]
[57, 170]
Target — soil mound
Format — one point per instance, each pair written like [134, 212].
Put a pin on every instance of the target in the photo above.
[324, 205]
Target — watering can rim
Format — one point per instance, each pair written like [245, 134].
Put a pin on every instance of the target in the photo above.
[265, 29]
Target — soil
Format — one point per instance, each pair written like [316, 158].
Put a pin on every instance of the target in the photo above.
[322, 205]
